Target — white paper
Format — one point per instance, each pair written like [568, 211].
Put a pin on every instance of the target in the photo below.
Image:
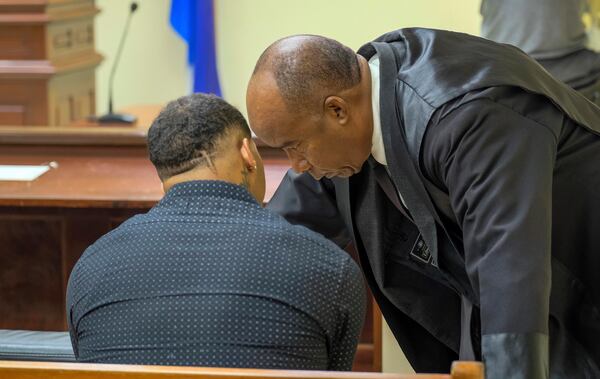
[21, 172]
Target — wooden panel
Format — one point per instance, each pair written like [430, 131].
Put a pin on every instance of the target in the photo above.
[35, 139]
[98, 181]
[71, 97]
[23, 12]
[20, 42]
[22, 6]
[35, 370]
[44, 11]
[31, 290]
[12, 114]
[26, 69]
[70, 38]
[85, 182]
[47, 44]
[377, 362]
[29, 95]
[40, 248]
[62, 10]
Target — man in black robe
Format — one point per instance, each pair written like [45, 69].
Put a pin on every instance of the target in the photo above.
[466, 176]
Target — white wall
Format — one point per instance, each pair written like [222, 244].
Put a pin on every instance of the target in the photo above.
[392, 358]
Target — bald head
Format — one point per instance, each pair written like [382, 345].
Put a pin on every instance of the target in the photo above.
[307, 68]
[311, 97]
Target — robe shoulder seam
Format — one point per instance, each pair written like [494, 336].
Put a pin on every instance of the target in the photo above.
[489, 100]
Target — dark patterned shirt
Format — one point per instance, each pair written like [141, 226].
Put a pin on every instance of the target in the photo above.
[209, 278]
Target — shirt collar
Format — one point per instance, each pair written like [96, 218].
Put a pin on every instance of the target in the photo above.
[377, 147]
[199, 191]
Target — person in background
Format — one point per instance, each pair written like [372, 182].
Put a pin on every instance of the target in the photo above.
[550, 31]
[208, 277]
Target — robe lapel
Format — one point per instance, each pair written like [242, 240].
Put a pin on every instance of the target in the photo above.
[402, 170]
[375, 258]
[342, 196]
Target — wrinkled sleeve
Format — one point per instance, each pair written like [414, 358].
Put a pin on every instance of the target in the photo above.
[302, 200]
[497, 166]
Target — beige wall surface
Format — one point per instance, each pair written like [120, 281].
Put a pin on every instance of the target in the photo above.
[246, 27]
[154, 68]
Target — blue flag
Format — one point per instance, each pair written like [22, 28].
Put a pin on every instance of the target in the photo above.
[194, 21]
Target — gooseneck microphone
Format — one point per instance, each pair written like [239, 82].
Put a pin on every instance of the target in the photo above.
[110, 117]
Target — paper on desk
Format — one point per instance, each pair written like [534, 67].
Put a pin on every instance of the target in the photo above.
[22, 172]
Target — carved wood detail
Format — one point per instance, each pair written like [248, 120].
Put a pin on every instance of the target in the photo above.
[49, 42]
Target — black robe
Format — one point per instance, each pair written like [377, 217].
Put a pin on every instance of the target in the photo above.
[498, 163]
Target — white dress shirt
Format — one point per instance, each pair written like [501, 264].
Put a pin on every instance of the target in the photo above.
[377, 146]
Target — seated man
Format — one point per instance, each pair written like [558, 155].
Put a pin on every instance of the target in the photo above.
[208, 277]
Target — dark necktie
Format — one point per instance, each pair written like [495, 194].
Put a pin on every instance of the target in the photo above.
[386, 184]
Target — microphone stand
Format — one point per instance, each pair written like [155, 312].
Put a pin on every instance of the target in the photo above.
[110, 117]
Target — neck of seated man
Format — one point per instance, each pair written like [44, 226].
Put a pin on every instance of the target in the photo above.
[197, 173]
[240, 164]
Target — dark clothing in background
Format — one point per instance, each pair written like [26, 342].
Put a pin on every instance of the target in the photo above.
[579, 70]
[544, 29]
[550, 31]
[209, 278]
[498, 164]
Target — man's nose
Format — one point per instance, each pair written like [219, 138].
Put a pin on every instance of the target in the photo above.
[298, 162]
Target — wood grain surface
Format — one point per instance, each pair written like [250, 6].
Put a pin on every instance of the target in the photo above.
[38, 370]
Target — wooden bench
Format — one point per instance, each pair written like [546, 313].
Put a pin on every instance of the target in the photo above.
[51, 370]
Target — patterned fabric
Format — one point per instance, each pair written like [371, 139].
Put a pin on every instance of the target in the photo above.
[209, 278]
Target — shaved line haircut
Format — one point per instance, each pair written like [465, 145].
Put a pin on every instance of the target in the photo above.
[188, 131]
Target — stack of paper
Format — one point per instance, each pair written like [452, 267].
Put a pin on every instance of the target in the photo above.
[22, 172]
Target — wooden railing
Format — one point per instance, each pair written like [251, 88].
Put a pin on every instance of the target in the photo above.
[48, 370]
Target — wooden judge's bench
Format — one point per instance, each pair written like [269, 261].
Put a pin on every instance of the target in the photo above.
[100, 175]
[47, 61]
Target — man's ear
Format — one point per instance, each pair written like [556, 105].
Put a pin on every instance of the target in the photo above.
[248, 154]
[336, 108]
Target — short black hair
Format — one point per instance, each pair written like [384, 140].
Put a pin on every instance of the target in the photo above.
[187, 131]
[317, 66]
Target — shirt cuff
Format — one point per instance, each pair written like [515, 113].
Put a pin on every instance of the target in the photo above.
[515, 355]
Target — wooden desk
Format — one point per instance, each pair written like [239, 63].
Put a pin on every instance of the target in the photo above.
[103, 178]
[96, 167]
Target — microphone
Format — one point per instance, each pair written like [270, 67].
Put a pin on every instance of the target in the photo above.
[110, 117]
